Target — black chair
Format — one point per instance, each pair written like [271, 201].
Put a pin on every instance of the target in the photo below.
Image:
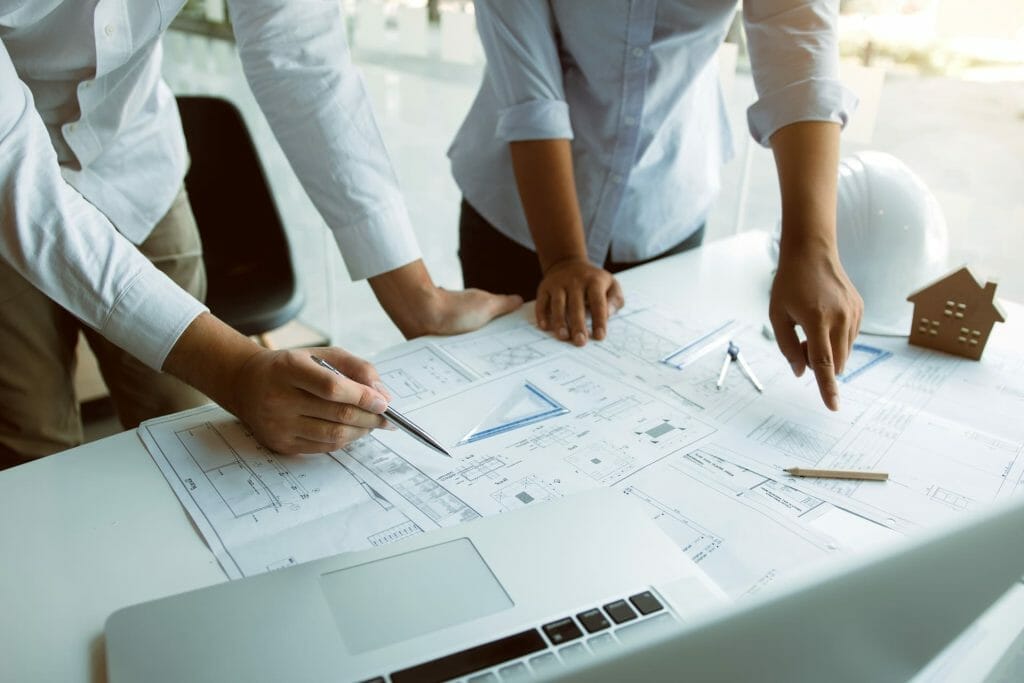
[251, 279]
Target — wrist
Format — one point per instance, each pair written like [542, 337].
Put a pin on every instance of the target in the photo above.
[212, 357]
[812, 240]
[410, 298]
[553, 263]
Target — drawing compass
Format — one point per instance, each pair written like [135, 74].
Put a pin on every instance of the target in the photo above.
[732, 355]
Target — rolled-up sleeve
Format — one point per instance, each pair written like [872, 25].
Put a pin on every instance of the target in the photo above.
[67, 249]
[524, 69]
[296, 60]
[794, 56]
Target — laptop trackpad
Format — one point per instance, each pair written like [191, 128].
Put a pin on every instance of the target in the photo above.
[390, 600]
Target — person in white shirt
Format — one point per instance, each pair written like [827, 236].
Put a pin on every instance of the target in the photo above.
[596, 140]
[96, 233]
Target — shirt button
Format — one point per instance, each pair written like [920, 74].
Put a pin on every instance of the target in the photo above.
[638, 52]
[629, 120]
[109, 30]
[70, 128]
[616, 178]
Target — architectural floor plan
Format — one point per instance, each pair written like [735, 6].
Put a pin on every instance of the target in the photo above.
[260, 511]
[529, 419]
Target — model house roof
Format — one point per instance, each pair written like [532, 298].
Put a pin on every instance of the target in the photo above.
[961, 282]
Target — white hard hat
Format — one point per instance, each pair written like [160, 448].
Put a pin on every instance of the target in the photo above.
[892, 237]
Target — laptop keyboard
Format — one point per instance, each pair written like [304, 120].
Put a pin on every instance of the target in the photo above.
[545, 650]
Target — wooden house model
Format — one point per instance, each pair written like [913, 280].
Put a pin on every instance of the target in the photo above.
[955, 314]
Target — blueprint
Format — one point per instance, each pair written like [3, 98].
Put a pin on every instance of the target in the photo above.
[745, 530]
[419, 371]
[947, 430]
[608, 430]
[742, 527]
[506, 344]
[642, 344]
[529, 419]
[259, 511]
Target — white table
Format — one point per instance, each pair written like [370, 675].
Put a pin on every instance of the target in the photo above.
[95, 528]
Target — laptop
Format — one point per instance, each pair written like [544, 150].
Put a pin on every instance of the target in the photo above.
[882, 619]
[515, 596]
[583, 589]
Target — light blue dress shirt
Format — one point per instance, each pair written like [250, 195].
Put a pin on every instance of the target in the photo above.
[634, 85]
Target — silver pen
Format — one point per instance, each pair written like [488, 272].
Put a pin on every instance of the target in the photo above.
[395, 417]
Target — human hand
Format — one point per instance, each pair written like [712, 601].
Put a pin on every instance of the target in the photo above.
[568, 290]
[293, 405]
[418, 307]
[812, 290]
[455, 312]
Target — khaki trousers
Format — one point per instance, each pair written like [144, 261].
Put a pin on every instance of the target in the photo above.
[39, 412]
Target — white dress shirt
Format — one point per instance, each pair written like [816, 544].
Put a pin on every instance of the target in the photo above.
[634, 85]
[92, 152]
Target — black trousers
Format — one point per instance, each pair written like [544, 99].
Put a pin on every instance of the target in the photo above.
[493, 262]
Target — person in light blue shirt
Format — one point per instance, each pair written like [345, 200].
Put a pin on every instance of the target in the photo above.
[596, 140]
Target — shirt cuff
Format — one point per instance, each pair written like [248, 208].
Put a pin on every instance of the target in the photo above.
[536, 120]
[815, 99]
[149, 317]
[382, 242]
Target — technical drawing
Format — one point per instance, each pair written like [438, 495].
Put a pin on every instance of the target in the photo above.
[562, 436]
[497, 351]
[420, 374]
[799, 441]
[506, 359]
[627, 338]
[246, 485]
[696, 541]
[259, 511]
[523, 492]
[478, 469]
[603, 464]
[612, 410]
[395, 533]
[951, 498]
[428, 496]
[401, 384]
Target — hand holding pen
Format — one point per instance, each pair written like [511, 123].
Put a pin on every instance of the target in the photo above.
[396, 418]
[292, 406]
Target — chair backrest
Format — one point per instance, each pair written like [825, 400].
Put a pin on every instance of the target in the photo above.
[251, 279]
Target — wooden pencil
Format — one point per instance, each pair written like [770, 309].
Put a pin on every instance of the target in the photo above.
[837, 474]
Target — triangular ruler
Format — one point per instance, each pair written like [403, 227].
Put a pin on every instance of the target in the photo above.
[525, 405]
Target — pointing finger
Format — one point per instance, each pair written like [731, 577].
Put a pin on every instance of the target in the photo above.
[820, 360]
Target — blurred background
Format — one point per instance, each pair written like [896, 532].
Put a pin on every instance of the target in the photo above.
[941, 84]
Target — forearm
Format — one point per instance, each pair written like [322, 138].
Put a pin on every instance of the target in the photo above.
[407, 294]
[807, 158]
[547, 190]
[811, 290]
[210, 355]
